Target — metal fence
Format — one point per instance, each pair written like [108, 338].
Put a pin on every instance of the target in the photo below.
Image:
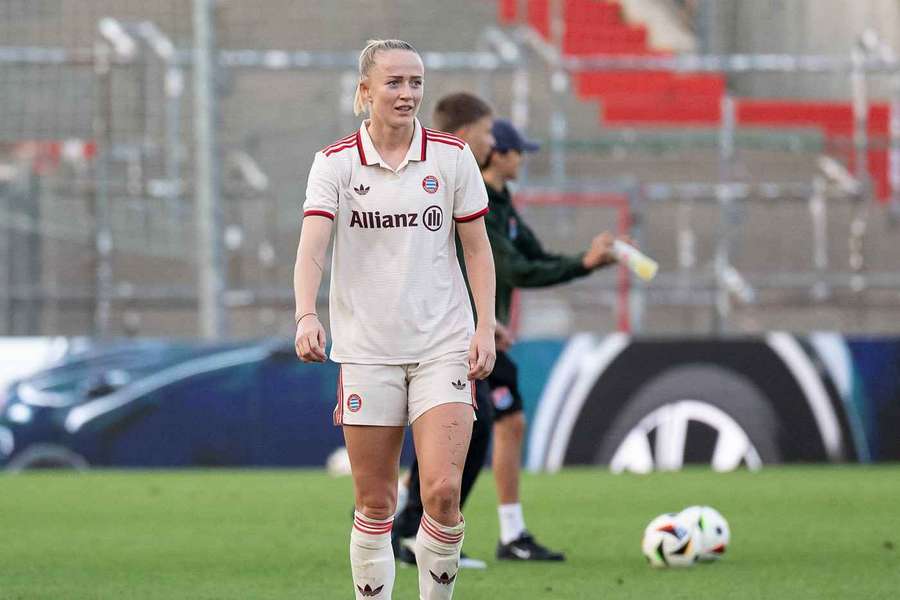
[766, 213]
[141, 193]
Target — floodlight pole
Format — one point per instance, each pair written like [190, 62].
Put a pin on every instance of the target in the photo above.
[860, 106]
[210, 279]
[729, 216]
[559, 84]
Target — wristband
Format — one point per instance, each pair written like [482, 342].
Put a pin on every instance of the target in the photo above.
[304, 315]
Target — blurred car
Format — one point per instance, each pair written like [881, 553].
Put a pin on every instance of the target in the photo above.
[171, 404]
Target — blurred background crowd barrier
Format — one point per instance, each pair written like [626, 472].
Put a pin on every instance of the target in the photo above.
[153, 156]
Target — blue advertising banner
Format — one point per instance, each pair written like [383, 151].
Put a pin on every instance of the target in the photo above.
[633, 404]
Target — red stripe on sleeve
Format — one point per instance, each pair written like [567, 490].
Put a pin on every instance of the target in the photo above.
[471, 217]
[318, 213]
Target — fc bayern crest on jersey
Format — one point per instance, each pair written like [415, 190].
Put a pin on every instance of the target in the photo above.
[430, 184]
[354, 403]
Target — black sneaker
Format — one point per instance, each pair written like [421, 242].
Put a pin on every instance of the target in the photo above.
[526, 548]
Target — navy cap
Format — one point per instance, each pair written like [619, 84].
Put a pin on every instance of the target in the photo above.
[507, 137]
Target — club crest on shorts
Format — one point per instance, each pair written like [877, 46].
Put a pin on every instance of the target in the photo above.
[430, 184]
[354, 403]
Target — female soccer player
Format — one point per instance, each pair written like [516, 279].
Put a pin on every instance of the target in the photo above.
[401, 320]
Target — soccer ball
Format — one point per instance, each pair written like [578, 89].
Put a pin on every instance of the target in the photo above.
[713, 534]
[669, 542]
[338, 463]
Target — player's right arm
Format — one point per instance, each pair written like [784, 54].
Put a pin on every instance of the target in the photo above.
[309, 340]
[319, 210]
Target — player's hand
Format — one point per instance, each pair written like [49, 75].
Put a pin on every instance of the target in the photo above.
[503, 337]
[309, 342]
[600, 252]
[482, 354]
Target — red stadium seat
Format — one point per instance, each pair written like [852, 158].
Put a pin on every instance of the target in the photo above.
[661, 98]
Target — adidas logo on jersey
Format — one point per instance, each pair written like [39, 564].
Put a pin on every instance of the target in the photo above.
[376, 220]
[361, 189]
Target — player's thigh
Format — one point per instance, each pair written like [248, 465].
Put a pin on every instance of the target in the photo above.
[372, 395]
[441, 409]
[373, 406]
[442, 436]
[374, 463]
[443, 380]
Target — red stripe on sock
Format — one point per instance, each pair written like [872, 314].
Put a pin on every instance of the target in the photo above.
[368, 531]
[371, 527]
[439, 535]
[375, 524]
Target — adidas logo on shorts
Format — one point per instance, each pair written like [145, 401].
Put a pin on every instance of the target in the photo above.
[458, 384]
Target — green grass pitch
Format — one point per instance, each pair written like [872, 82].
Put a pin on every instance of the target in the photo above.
[798, 532]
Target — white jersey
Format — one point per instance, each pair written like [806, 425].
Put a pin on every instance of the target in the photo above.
[397, 292]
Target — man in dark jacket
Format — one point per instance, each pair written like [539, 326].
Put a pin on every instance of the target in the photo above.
[520, 262]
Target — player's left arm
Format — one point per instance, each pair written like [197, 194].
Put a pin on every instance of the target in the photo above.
[482, 280]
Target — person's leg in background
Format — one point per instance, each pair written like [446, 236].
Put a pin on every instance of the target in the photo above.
[516, 543]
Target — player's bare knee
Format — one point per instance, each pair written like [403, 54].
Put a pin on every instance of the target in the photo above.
[441, 500]
[378, 506]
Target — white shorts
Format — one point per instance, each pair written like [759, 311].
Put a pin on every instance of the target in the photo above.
[397, 395]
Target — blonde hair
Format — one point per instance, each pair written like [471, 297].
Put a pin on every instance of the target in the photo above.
[367, 61]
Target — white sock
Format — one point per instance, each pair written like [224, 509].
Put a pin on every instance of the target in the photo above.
[512, 523]
[437, 556]
[371, 557]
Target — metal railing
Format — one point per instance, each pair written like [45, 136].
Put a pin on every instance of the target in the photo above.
[175, 172]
